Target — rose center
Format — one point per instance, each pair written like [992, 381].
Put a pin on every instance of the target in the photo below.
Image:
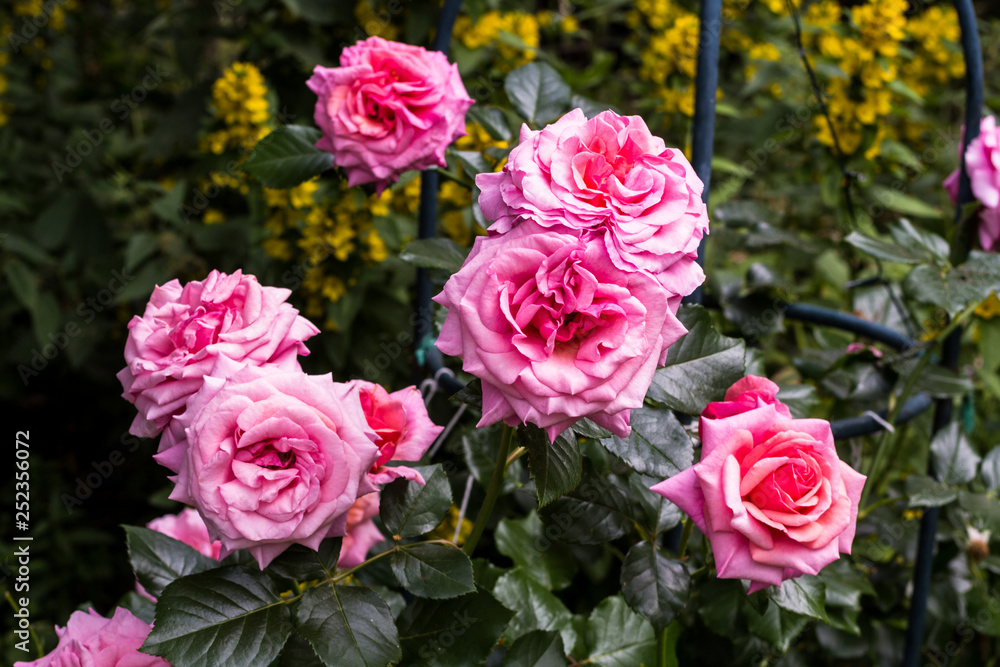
[267, 454]
[789, 483]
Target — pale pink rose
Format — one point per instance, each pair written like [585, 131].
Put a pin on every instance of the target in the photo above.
[185, 328]
[747, 393]
[189, 528]
[982, 162]
[387, 109]
[91, 640]
[362, 534]
[769, 493]
[273, 458]
[610, 175]
[554, 329]
[403, 430]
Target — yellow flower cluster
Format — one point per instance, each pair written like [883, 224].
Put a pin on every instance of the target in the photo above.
[327, 235]
[989, 308]
[56, 11]
[874, 45]
[239, 98]
[489, 29]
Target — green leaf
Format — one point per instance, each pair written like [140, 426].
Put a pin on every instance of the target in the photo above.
[942, 382]
[298, 653]
[140, 246]
[618, 637]
[991, 470]
[481, 447]
[473, 162]
[452, 633]
[435, 571]
[718, 602]
[777, 626]
[804, 595]
[22, 282]
[952, 457]
[55, 220]
[958, 287]
[658, 515]
[409, 509]
[491, 119]
[588, 429]
[523, 541]
[924, 491]
[595, 512]
[536, 649]
[301, 563]
[435, 254]
[903, 203]
[314, 11]
[555, 467]
[654, 584]
[228, 616]
[159, 560]
[657, 446]
[25, 248]
[537, 92]
[168, 207]
[348, 626]
[932, 246]
[883, 250]
[536, 608]
[287, 157]
[700, 367]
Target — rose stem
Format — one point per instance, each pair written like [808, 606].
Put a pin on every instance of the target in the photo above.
[496, 482]
[685, 536]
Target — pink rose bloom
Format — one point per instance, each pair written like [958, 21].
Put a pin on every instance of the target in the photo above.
[610, 175]
[554, 329]
[769, 493]
[189, 528]
[387, 109]
[403, 430]
[362, 534]
[982, 162]
[90, 640]
[746, 394]
[184, 330]
[273, 458]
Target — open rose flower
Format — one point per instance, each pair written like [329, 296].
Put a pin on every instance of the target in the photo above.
[362, 533]
[611, 175]
[769, 493]
[91, 640]
[185, 328]
[554, 329]
[387, 109]
[189, 528]
[403, 430]
[273, 458]
[982, 162]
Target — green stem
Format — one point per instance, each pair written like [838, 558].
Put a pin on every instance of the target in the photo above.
[516, 454]
[881, 452]
[496, 483]
[685, 536]
[662, 654]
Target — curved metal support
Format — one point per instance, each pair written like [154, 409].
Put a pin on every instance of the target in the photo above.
[846, 322]
[706, 82]
[961, 243]
[426, 353]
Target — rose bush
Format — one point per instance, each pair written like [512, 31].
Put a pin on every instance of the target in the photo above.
[555, 329]
[609, 175]
[91, 640]
[272, 458]
[186, 328]
[770, 493]
[388, 108]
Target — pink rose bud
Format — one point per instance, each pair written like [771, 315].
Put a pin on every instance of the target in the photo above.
[770, 493]
[362, 534]
[95, 641]
[403, 430]
[387, 109]
[273, 458]
[612, 176]
[555, 329]
[184, 329]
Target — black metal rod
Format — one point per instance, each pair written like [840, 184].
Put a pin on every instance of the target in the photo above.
[944, 407]
[834, 318]
[706, 82]
[854, 427]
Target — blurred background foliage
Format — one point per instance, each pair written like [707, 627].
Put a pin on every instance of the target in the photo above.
[124, 124]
